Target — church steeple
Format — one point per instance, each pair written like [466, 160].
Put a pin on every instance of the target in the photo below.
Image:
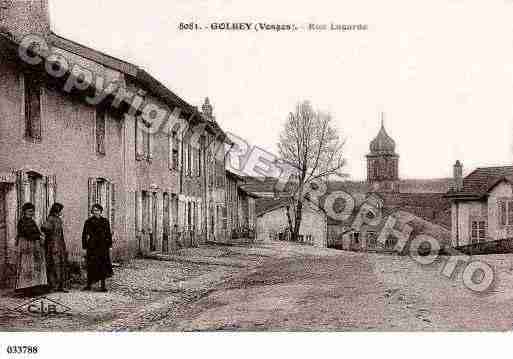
[383, 143]
[208, 110]
[382, 161]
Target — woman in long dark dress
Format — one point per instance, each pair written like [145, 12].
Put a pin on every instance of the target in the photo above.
[97, 240]
[31, 266]
[55, 248]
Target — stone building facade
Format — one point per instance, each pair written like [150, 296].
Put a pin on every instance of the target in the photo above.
[161, 187]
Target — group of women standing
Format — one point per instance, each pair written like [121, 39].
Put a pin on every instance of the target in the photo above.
[42, 259]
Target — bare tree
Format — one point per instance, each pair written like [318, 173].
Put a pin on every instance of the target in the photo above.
[310, 143]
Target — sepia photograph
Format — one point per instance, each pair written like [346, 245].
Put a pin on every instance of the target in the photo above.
[295, 173]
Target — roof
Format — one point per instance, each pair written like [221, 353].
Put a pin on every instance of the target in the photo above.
[383, 143]
[247, 193]
[264, 205]
[478, 183]
[234, 175]
[93, 55]
[133, 72]
[437, 185]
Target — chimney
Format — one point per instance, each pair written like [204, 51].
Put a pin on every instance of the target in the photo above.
[458, 176]
[19, 18]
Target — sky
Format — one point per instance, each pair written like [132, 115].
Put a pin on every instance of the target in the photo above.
[441, 71]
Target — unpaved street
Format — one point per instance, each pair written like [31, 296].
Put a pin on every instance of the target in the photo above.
[352, 291]
[278, 286]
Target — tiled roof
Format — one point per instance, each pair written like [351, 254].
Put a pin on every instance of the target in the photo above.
[481, 179]
[264, 205]
[438, 185]
[146, 80]
[93, 55]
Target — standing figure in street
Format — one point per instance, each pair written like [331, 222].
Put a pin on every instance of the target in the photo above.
[55, 248]
[31, 266]
[97, 240]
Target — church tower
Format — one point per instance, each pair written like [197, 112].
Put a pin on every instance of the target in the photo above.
[383, 163]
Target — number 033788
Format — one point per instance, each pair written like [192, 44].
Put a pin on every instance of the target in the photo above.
[22, 349]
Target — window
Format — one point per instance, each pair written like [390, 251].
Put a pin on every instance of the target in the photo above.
[175, 151]
[36, 195]
[356, 237]
[100, 131]
[32, 107]
[102, 191]
[143, 140]
[372, 239]
[145, 210]
[506, 212]
[189, 214]
[225, 217]
[190, 160]
[478, 231]
[200, 149]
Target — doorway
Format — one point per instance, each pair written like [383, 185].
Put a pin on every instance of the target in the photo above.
[165, 223]
[3, 232]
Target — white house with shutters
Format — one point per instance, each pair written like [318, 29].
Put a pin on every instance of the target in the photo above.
[481, 205]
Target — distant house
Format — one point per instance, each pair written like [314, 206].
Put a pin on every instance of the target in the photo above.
[272, 222]
[481, 205]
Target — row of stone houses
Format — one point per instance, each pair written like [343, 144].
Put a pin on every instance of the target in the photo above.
[160, 189]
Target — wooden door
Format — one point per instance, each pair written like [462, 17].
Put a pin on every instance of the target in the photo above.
[165, 224]
[153, 224]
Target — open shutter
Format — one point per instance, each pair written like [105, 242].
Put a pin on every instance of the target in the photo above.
[181, 214]
[502, 213]
[46, 203]
[107, 206]
[170, 150]
[138, 139]
[185, 155]
[160, 220]
[200, 218]
[112, 206]
[52, 190]
[150, 144]
[149, 221]
[138, 211]
[193, 160]
[21, 178]
[91, 193]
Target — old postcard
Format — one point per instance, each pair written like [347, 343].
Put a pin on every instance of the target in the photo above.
[182, 166]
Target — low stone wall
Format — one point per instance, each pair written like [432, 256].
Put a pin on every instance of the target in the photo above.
[493, 247]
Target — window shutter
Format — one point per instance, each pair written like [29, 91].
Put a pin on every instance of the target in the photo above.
[190, 160]
[112, 206]
[53, 189]
[502, 213]
[181, 211]
[91, 193]
[150, 144]
[138, 211]
[149, 221]
[193, 160]
[185, 157]
[21, 178]
[100, 131]
[106, 200]
[138, 139]
[46, 203]
[159, 204]
[32, 107]
[170, 150]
